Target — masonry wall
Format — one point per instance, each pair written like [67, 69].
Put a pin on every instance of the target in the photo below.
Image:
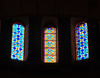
[80, 8]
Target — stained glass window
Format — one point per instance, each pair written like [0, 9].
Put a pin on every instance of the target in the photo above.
[50, 45]
[17, 47]
[81, 33]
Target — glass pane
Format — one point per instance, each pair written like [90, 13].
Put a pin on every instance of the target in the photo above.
[50, 30]
[50, 51]
[50, 59]
[17, 48]
[82, 51]
[50, 43]
[49, 36]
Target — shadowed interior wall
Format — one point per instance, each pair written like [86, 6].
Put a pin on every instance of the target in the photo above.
[11, 8]
[34, 62]
[94, 39]
[0, 37]
[99, 27]
[0, 27]
[64, 42]
[6, 31]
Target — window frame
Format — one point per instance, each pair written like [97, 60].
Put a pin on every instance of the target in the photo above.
[42, 43]
[24, 41]
[75, 41]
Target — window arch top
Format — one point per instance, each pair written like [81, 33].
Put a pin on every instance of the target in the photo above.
[50, 30]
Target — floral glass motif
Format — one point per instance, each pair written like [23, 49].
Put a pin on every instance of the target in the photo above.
[50, 45]
[82, 50]
[17, 47]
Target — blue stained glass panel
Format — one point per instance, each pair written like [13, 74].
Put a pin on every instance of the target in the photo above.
[81, 33]
[17, 46]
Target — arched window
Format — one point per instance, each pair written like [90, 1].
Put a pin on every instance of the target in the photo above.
[81, 39]
[50, 46]
[17, 46]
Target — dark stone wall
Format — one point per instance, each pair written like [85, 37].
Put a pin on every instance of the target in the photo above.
[34, 43]
[64, 41]
[78, 8]
[94, 40]
[6, 31]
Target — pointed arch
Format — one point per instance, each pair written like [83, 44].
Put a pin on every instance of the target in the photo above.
[17, 46]
[50, 45]
[81, 41]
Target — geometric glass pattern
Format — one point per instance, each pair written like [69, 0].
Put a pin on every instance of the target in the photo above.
[50, 45]
[17, 47]
[81, 37]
